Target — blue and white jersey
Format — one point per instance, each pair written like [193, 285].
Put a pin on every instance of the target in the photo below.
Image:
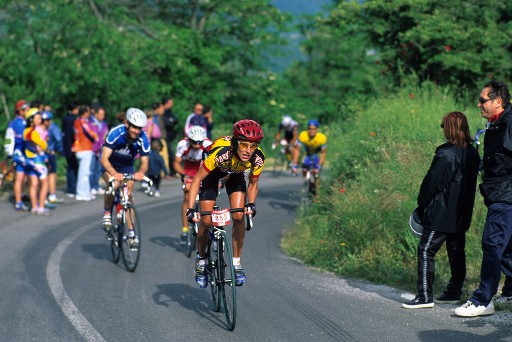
[14, 135]
[123, 153]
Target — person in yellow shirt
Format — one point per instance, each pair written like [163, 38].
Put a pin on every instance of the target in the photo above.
[34, 149]
[315, 149]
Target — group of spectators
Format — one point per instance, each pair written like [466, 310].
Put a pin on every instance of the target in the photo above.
[34, 141]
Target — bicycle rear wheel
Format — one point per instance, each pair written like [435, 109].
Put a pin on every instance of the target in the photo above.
[213, 273]
[131, 254]
[115, 238]
[227, 277]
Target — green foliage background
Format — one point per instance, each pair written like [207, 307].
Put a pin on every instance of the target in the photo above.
[378, 74]
[378, 158]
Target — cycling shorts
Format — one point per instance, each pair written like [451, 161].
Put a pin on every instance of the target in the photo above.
[311, 162]
[121, 169]
[52, 163]
[36, 167]
[210, 185]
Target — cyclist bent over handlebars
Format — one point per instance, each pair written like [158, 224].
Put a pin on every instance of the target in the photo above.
[227, 155]
[123, 143]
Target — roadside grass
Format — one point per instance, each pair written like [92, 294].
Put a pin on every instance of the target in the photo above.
[378, 157]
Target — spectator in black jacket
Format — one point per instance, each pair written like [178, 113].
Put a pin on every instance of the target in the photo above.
[496, 188]
[170, 123]
[68, 139]
[445, 206]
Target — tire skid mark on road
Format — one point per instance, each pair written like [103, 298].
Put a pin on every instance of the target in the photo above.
[323, 323]
[54, 281]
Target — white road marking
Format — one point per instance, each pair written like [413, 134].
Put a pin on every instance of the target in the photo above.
[54, 280]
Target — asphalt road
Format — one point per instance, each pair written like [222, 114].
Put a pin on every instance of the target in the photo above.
[58, 283]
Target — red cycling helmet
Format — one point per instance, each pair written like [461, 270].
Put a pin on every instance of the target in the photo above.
[247, 130]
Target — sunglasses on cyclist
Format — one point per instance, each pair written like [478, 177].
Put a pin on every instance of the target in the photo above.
[196, 142]
[246, 146]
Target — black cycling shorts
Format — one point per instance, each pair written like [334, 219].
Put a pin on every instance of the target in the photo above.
[210, 185]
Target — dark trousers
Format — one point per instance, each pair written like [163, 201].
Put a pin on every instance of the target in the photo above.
[170, 151]
[497, 252]
[430, 242]
[71, 173]
[156, 181]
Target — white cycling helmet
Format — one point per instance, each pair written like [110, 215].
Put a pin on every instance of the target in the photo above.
[136, 117]
[415, 223]
[287, 120]
[196, 133]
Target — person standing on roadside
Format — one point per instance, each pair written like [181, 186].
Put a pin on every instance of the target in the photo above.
[496, 188]
[85, 137]
[170, 122]
[68, 138]
[14, 149]
[445, 207]
[100, 127]
[54, 147]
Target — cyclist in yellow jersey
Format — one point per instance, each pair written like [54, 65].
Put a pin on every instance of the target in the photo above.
[315, 148]
[229, 155]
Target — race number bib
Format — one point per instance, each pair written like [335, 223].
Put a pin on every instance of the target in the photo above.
[221, 217]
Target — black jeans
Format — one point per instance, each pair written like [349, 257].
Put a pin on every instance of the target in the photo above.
[71, 173]
[430, 242]
[156, 181]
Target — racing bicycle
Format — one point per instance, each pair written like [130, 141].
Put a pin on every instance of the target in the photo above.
[282, 158]
[124, 215]
[219, 262]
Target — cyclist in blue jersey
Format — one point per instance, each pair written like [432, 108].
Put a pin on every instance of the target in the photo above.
[123, 143]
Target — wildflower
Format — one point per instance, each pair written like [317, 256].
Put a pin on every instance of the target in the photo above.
[447, 48]
[411, 96]
[342, 190]
[342, 244]
[372, 134]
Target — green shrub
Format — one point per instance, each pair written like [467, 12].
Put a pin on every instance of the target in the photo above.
[377, 160]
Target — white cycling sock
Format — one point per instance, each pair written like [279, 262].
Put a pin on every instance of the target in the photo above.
[236, 261]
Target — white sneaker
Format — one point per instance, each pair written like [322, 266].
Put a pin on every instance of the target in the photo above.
[503, 300]
[470, 310]
[100, 191]
[157, 193]
[94, 192]
[83, 198]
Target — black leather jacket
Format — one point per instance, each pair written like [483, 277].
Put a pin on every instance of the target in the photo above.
[497, 161]
[447, 193]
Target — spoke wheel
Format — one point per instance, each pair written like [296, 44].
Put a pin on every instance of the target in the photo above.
[228, 286]
[115, 238]
[131, 255]
[280, 163]
[191, 241]
[212, 265]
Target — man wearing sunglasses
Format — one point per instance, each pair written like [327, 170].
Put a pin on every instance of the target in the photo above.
[229, 155]
[189, 152]
[494, 105]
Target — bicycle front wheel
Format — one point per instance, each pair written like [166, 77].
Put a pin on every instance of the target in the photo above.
[191, 241]
[279, 163]
[227, 276]
[115, 238]
[213, 268]
[130, 250]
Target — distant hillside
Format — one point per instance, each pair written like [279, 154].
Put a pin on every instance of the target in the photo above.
[292, 51]
[298, 7]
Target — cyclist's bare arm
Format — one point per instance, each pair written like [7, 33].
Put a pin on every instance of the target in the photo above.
[177, 165]
[144, 162]
[323, 153]
[194, 187]
[109, 169]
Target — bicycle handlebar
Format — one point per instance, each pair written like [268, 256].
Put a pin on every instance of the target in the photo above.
[235, 210]
[126, 177]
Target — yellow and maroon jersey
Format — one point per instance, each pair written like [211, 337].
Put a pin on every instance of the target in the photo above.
[218, 156]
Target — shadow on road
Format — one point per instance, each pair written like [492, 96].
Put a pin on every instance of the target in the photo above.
[167, 241]
[191, 298]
